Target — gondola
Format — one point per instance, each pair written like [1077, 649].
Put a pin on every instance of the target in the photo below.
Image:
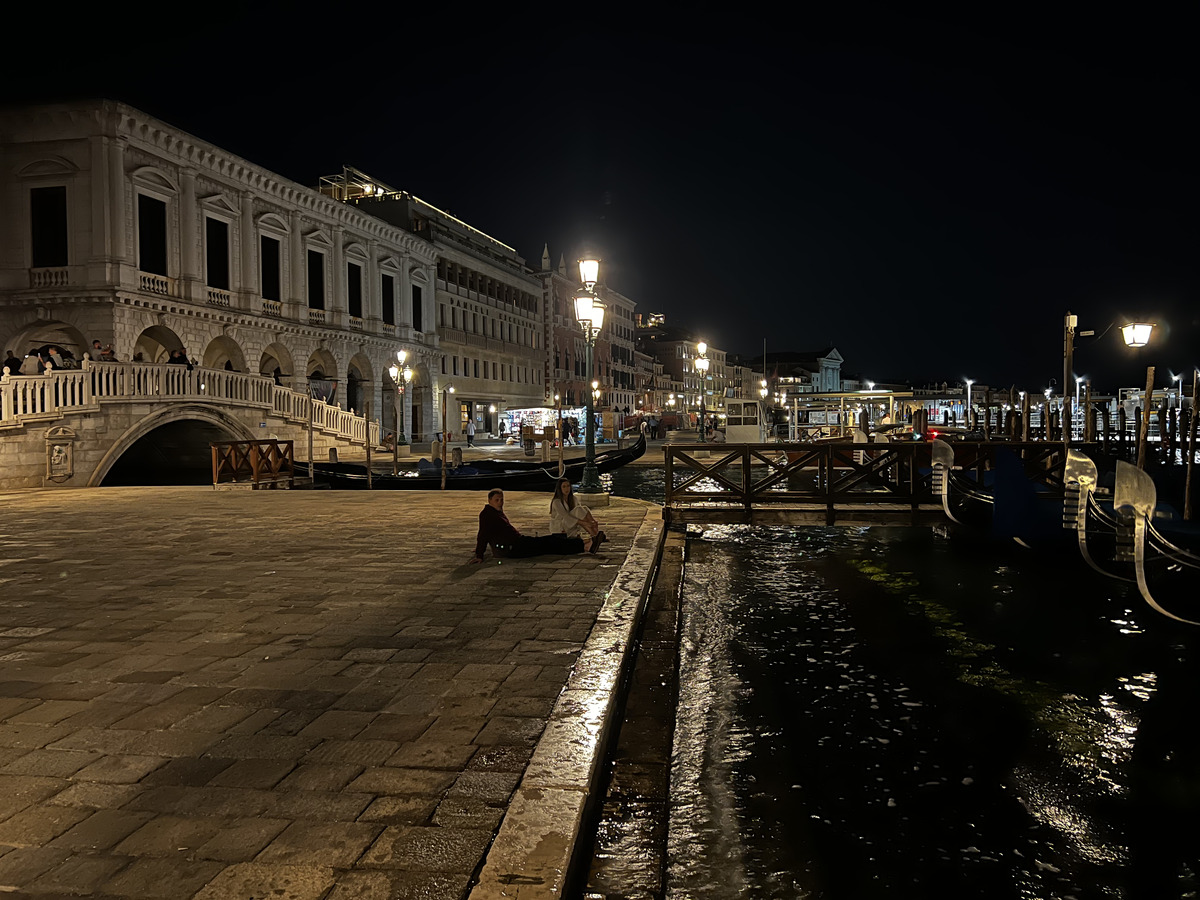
[1150, 545]
[481, 475]
[1001, 502]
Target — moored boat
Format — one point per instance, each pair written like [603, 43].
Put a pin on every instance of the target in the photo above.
[480, 475]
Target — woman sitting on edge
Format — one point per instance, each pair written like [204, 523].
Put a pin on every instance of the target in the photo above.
[570, 518]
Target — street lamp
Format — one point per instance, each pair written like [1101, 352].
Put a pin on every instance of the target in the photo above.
[445, 435]
[702, 368]
[967, 421]
[589, 312]
[397, 372]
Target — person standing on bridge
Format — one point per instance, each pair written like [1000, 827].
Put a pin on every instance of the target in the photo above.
[11, 363]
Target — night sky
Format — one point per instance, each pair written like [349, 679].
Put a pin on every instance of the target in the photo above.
[928, 194]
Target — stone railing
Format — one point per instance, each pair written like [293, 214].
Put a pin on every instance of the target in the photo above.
[218, 297]
[49, 277]
[272, 308]
[156, 284]
[316, 316]
[28, 398]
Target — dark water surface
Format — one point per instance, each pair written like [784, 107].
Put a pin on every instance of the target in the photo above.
[894, 712]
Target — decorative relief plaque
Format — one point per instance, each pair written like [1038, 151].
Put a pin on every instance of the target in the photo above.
[60, 453]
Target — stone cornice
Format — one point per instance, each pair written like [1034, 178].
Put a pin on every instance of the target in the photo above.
[123, 122]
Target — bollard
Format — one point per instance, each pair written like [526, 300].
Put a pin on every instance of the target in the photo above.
[456, 456]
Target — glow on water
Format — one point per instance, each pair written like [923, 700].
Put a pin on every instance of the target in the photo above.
[869, 712]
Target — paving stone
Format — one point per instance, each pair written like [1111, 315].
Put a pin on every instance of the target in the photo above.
[20, 866]
[168, 879]
[56, 763]
[119, 769]
[188, 771]
[259, 881]
[39, 824]
[319, 778]
[321, 844]
[170, 835]
[254, 773]
[77, 875]
[96, 796]
[240, 840]
[101, 830]
[429, 849]
[393, 780]
[400, 810]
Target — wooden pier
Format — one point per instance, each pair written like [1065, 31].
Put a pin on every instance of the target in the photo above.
[828, 482]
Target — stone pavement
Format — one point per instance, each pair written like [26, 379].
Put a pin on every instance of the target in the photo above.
[300, 695]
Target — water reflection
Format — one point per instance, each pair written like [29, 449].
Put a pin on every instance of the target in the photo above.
[861, 714]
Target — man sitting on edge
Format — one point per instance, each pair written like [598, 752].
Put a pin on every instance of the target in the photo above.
[495, 529]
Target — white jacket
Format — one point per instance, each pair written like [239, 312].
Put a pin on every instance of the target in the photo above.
[563, 519]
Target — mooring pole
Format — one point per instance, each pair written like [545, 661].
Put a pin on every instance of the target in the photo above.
[1144, 425]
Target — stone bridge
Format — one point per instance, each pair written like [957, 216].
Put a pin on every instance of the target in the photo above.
[117, 422]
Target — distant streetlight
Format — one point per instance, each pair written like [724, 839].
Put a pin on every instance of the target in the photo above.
[702, 368]
[970, 381]
[589, 312]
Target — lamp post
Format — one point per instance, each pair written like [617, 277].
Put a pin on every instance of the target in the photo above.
[967, 411]
[398, 371]
[449, 389]
[702, 368]
[589, 312]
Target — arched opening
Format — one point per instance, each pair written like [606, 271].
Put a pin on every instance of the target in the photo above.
[322, 375]
[41, 336]
[359, 384]
[276, 361]
[224, 353]
[155, 344]
[177, 452]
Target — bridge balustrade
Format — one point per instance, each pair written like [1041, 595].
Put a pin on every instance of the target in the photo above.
[62, 391]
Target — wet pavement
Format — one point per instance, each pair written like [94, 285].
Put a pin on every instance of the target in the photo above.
[301, 694]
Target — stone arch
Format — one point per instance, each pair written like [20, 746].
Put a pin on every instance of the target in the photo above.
[322, 372]
[360, 382]
[155, 344]
[221, 350]
[277, 361]
[187, 412]
[421, 387]
[44, 332]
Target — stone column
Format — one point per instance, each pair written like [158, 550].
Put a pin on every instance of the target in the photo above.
[99, 252]
[295, 290]
[337, 314]
[404, 294]
[116, 198]
[249, 280]
[189, 268]
[373, 295]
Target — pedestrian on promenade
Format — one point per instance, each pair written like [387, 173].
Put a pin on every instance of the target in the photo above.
[506, 540]
[470, 432]
[571, 518]
[11, 363]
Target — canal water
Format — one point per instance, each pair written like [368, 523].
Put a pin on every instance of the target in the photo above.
[895, 712]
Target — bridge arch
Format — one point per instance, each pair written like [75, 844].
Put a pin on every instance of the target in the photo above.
[229, 427]
[224, 349]
[156, 343]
